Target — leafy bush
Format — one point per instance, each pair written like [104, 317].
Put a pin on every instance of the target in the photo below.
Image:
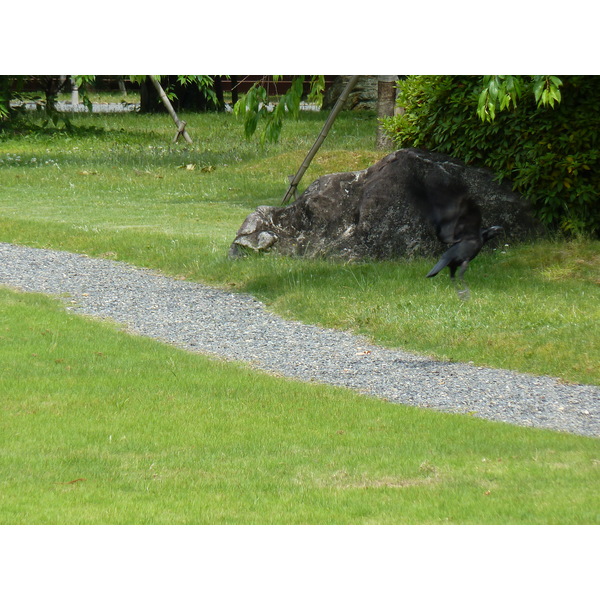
[551, 155]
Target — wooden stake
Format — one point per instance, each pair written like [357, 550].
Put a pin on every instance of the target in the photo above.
[180, 131]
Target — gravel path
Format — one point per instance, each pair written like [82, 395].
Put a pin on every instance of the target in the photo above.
[237, 327]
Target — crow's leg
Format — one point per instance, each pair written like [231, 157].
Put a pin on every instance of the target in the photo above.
[463, 292]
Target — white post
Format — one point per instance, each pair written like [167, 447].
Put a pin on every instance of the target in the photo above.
[74, 94]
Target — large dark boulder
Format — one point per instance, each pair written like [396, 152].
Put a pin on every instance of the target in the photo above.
[374, 213]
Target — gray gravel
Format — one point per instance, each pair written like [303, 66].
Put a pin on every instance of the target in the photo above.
[238, 327]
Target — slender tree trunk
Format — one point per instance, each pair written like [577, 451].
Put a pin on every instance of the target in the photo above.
[218, 87]
[386, 102]
[234, 90]
[149, 100]
[311, 154]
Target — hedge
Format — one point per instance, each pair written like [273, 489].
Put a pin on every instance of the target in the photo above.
[551, 155]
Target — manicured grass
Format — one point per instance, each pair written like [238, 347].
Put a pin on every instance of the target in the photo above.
[120, 189]
[102, 427]
[520, 315]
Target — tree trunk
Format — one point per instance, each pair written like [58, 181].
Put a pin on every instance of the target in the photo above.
[218, 87]
[234, 90]
[386, 102]
[187, 97]
[149, 99]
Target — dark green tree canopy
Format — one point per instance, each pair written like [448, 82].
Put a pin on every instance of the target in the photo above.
[544, 140]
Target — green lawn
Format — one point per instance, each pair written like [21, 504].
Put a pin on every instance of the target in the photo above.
[102, 427]
[120, 189]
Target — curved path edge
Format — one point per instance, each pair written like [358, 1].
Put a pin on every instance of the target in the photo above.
[207, 320]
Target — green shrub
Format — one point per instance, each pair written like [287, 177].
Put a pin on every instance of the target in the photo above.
[551, 155]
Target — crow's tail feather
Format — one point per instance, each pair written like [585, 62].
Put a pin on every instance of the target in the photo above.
[443, 262]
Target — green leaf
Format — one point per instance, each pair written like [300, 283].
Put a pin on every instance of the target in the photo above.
[538, 88]
[493, 88]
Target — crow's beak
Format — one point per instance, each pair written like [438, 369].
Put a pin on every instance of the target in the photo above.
[491, 232]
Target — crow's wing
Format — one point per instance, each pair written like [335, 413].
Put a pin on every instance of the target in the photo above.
[445, 213]
[468, 224]
[445, 203]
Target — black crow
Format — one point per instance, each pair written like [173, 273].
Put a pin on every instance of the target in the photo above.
[457, 221]
[444, 200]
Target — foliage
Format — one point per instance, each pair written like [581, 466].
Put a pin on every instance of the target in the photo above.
[5, 82]
[11, 88]
[254, 106]
[549, 151]
[50, 85]
[204, 83]
[500, 91]
[82, 82]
